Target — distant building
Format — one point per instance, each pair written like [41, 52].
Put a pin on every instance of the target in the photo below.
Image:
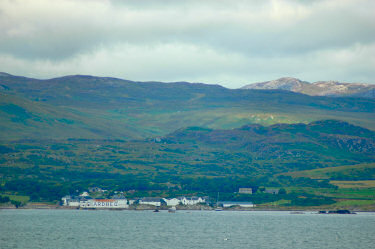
[191, 200]
[172, 201]
[245, 191]
[104, 203]
[84, 194]
[273, 191]
[227, 204]
[131, 202]
[65, 200]
[74, 201]
[153, 201]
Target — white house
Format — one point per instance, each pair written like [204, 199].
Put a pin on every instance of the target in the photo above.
[72, 201]
[245, 191]
[191, 200]
[65, 200]
[84, 194]
[153, 201]
[172, 202]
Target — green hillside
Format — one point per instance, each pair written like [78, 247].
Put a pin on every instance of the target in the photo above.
[195, 159]
[62, 135]
[108, 108]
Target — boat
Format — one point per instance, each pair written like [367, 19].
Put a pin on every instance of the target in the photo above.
[172, 209]
[156, 211]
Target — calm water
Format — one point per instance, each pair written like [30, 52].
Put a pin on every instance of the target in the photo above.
[183, 229]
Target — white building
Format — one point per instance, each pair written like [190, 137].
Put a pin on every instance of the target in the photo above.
[104, 203]
[172, 202]
[191, 200]
[153, 201]
[84, 194]
[65, 200]
[73, 203]
[88, 202]
[245, 191]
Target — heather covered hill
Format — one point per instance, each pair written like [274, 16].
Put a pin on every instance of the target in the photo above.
[250, 151]
[192, 160]
[100, 107]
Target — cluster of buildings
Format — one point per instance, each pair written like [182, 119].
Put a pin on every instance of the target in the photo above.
[119, 201]
[85, 201]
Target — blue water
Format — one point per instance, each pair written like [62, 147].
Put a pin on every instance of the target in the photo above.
[183, 229]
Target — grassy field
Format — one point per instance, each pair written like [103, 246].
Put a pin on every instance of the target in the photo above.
[350, 172]
[20, 198]
[354, 203]
[354, 184]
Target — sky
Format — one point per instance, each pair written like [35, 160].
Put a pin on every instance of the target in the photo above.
[226, 42]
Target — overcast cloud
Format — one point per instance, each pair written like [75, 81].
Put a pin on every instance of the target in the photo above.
[227, 42]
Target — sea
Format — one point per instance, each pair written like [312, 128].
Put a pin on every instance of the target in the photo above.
[23, 228]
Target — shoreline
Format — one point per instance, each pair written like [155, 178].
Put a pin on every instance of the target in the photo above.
[207, 208]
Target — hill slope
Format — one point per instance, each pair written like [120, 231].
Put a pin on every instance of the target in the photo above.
[250, 151]
[188, 160]
[99, 107]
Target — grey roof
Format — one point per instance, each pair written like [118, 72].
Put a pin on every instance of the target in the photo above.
[192, 198]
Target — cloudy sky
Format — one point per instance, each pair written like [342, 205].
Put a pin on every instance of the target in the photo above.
[227, 42]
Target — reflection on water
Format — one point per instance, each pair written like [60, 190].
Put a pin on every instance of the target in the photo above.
[183, 229]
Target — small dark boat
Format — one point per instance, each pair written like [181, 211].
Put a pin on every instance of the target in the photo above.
[156, 211]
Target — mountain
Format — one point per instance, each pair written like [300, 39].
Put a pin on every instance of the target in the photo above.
[88, 107]
[319, 88]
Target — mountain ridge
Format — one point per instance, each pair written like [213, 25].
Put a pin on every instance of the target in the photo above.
[318, 88]
[105, 107]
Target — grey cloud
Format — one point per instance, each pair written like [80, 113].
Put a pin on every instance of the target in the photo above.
[214, 40]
